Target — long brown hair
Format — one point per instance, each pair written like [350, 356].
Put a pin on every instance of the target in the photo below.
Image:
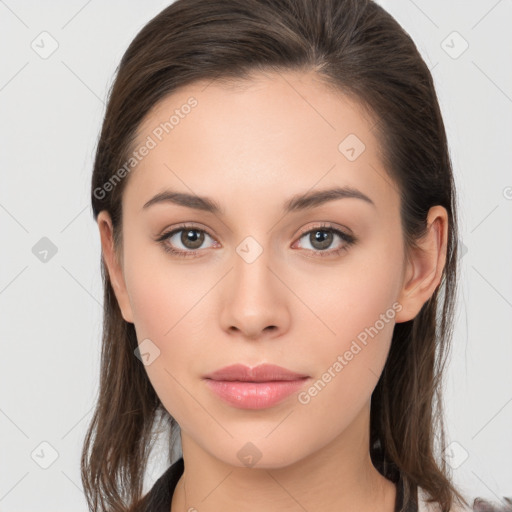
[356, 47]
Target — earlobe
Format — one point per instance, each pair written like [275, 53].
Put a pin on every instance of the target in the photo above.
[114, 267]
[425, 265]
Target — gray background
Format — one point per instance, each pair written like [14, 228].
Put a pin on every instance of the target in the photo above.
[51, 111]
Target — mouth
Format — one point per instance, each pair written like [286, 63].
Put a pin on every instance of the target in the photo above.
[258, 388]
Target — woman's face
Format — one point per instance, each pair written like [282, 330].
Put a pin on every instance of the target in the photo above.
[260, 282]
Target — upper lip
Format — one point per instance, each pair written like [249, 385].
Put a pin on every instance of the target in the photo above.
[260, 373]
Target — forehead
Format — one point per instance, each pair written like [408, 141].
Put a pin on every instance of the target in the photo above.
[273, 132]
[263, 104]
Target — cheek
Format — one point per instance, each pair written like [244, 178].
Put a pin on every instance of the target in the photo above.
[163, 294]
[168, 305]
[352, 299]
[349, 366]
[358, 305]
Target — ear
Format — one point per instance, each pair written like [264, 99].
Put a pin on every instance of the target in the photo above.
[425, 265]
[114, 267]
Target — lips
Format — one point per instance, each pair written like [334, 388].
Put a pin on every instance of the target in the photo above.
[260, 373]
[261, 387]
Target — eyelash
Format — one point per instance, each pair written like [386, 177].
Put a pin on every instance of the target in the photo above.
[348, 239]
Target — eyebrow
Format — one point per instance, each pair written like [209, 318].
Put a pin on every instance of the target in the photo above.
[298, 202]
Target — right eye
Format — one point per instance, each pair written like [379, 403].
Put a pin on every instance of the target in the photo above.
[190, 237]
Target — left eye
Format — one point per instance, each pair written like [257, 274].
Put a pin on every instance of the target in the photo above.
[322, 238]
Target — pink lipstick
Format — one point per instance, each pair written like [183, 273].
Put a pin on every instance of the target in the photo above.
[254, 388]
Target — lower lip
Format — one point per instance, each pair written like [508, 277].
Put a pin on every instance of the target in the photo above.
[254, 395]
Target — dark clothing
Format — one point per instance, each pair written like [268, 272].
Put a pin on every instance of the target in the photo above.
[159, 498]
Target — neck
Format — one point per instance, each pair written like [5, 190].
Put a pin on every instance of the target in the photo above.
[338, 477]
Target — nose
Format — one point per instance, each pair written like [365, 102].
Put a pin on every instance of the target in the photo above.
[254, 300]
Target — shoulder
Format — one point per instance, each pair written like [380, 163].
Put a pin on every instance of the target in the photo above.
[478, 505]
[481, 505]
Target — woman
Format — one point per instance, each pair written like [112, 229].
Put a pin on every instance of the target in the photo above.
[276, 207]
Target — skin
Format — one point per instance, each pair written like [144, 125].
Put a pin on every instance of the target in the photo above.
[251, 148]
